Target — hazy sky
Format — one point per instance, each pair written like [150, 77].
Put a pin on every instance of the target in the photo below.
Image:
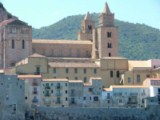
[39, 13]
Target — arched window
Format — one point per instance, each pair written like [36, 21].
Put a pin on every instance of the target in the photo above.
[109, 45]
[23, 44]
[13, 44]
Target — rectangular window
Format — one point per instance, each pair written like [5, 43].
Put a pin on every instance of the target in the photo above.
[95, 71]
[109, 34]
[37, 70]
[54, 70]
[75, 70]
[84, 79]
[84, 71]
[67, 70]
[13, 44]
[23, 44]
[117, 74]
[138, 78]
[129, 80]
[111, 74]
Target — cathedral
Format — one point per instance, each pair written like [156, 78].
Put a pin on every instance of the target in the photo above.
[16, 41]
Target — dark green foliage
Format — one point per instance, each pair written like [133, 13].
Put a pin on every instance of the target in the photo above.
[136, 41]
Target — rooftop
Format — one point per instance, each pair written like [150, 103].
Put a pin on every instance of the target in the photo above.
[28, 76]
[47, 41]
[79, 65]
[55, 80]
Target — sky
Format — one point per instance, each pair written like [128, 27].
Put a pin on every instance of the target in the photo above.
[39, 13]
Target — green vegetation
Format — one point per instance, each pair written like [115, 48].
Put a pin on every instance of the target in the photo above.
[136, 41]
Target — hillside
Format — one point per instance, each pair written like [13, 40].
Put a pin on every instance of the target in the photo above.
[136, 41]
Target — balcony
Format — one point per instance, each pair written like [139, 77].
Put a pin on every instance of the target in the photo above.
[35, 92]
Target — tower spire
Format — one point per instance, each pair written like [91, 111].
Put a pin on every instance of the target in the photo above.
[87, 16]
[106, 9]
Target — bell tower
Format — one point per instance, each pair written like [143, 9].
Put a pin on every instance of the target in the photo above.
[87, 27]
[106, 35]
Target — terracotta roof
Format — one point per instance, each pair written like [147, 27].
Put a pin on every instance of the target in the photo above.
[36, 55]
[46, 41]
[61, 64]
[55, 80]
[29, 76]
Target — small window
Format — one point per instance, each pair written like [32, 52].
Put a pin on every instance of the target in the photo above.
[67, 70]
[37, 70]
[109, 54]
[111, 74]
[138, 78]
[148, 76]
[109, 34]
[66, 99]
[84, 71]
[96, 98]
[54, 70]
[95, 71]
[23, 44]
[84, 79]
[129, 80]
[76, 78]
[66, 91]
[89, 27]
[84, 98]
[75, 70]
[109, 45]
[13, 46]
[90, 89]
[118, 74]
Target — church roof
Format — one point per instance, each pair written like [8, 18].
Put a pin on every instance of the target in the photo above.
[12, 21]
[106, 9]
[46, 41]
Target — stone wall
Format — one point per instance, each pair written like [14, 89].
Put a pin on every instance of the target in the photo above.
[98, 113]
